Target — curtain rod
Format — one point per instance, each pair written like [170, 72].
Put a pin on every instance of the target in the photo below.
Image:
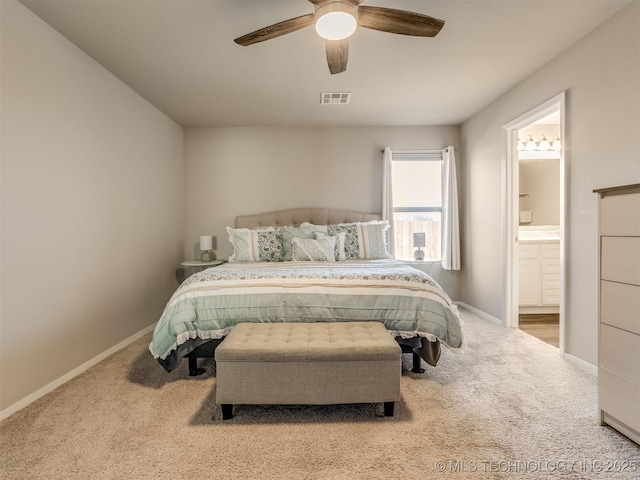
[420, 150]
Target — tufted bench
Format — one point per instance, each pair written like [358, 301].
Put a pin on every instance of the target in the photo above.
[308, 363]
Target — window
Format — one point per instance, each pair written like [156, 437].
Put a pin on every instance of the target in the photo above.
[417, 203]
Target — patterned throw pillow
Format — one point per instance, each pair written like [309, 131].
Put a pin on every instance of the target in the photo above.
[270, 247]
[263, 245]
[289, 233]
[351, 243]
[372, 237]
[363, 240]
[309, 249]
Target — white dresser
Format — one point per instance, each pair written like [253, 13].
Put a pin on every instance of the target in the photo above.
[619, 309]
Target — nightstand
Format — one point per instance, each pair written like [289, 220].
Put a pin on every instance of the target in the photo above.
[194, 266]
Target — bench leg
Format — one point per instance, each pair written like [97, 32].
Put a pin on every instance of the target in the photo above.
[388, 409]
[227, 411]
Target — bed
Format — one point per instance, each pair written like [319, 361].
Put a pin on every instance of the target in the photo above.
[306, 265]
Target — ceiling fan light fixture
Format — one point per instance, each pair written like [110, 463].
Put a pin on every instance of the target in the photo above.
[336, 20]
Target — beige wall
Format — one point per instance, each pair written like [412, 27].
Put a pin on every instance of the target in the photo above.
[92, 207]
[601, 74]
[95, 219]
[234, 171]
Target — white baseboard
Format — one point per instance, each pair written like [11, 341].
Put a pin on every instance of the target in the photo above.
[480, 313]
[581, 364]
[540, 310]
[73, 373]
[585, 366]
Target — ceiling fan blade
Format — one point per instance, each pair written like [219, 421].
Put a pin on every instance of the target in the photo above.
[337, 55]
[277, 30]
[398, 21]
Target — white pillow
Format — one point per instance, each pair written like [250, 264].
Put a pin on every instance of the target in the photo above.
[339, 251]
[316, 250]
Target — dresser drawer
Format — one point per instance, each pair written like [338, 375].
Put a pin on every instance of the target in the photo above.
[620, 260]
[620, 352]
[620, 305]
[619, 397]
[620, 215]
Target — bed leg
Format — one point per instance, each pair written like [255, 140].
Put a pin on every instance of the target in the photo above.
[194, 371]
[227, 411]
[417, 363]
[388, 409]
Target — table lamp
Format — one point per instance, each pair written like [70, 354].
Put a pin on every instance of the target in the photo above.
[419, 241]
[206, 245]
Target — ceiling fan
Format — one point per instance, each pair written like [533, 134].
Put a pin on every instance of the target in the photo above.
[336, 20]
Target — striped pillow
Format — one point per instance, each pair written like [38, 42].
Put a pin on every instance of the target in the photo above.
[364, 240]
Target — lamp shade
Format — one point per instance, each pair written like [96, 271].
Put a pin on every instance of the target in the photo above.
[206, 242]
[418, 239]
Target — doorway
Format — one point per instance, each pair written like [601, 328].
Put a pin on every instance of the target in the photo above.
[534, 222]
[539, 147]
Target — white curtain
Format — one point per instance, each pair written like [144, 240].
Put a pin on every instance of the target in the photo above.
[451, 227]
[387, 198]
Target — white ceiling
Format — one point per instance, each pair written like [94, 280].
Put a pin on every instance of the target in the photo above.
[180, 56]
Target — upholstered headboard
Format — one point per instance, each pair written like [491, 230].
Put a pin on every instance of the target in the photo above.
[296, 216]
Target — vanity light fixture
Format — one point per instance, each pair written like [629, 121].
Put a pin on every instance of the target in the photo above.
[544, 144]
[531, 145]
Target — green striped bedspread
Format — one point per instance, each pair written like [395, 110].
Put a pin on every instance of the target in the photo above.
[209, 303]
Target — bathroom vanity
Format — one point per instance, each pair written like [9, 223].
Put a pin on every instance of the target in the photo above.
[539, 264]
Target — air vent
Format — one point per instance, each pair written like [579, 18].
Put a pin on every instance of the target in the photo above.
[340, 98]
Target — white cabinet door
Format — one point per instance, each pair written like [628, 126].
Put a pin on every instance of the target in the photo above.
[529, 291]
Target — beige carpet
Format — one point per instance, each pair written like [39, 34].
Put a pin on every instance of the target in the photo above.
[506, 406]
